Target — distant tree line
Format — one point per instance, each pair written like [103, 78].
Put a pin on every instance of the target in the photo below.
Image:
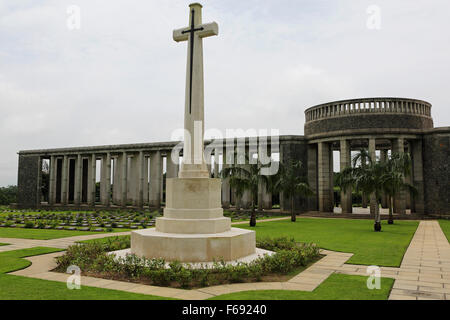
[8, 195]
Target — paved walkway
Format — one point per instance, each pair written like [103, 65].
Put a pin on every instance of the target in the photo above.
[423, 274]
[61, 243]
[425, 269]
[308, 280]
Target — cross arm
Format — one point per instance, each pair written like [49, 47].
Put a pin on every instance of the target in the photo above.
[178, 35]
[209, 29]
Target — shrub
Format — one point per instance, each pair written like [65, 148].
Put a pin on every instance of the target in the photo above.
[276, 244]
[8, 195]
[93, 257]
[29, 224]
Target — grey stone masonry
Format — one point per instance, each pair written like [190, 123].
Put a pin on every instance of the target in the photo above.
[436, 171]
[346, 196]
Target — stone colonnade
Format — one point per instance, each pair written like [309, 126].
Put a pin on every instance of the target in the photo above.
[127, 178]
[109, 179]
[323, 151]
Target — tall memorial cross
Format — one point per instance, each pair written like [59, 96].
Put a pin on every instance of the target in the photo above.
[194, 165]
[193, 228]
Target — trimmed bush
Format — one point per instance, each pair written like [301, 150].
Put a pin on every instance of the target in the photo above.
[29, 225]
[93, 259]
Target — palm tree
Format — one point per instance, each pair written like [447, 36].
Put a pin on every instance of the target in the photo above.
[396, 169]
[367, 179]
[245, 178]
[291, 182]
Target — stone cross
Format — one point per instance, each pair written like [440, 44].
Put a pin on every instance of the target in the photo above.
[193, 165]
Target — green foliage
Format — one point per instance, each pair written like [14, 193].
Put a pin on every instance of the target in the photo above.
[445, 226]
[375, 178]
[292, 181]
[244, 175]
[29, 224]
[8, 195]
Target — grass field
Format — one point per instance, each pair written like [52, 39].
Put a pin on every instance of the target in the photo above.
[384, 248]
[346, 235]
[336, 287]
[43, 234]
[445, 226]
[12, 260]
[22, 288]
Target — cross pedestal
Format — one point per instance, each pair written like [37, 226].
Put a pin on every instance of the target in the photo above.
[193, 228]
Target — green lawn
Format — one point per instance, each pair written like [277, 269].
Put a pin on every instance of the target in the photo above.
[44, 234]
[12, 260]
[336, 287]
[384, 248]
[3, 244]
[445, 226]
[22, 288]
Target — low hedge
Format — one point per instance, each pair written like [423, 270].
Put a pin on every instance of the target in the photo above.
[93, 259]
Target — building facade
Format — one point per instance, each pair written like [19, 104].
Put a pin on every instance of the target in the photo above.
[132, 176]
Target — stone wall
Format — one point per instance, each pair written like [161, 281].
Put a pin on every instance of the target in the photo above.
[28, 181]
[436, 167]
[296, 149]
[368, 121]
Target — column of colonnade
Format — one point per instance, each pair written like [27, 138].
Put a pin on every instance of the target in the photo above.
[156, 167]
[345, 162]
[398, 146]
[373, 157]
[264, 195]
[226, 188]
[312, 176]
[52, 181]
[325, 176]
[417, 173]
[384, 197]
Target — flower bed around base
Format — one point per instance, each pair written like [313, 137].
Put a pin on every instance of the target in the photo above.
[93, 259]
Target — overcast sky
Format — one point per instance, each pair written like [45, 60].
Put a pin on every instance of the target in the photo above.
[120, 78]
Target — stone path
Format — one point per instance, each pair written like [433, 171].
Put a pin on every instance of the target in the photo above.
[425, 270]
[61, 243]
[423, 274]
[308, 280]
